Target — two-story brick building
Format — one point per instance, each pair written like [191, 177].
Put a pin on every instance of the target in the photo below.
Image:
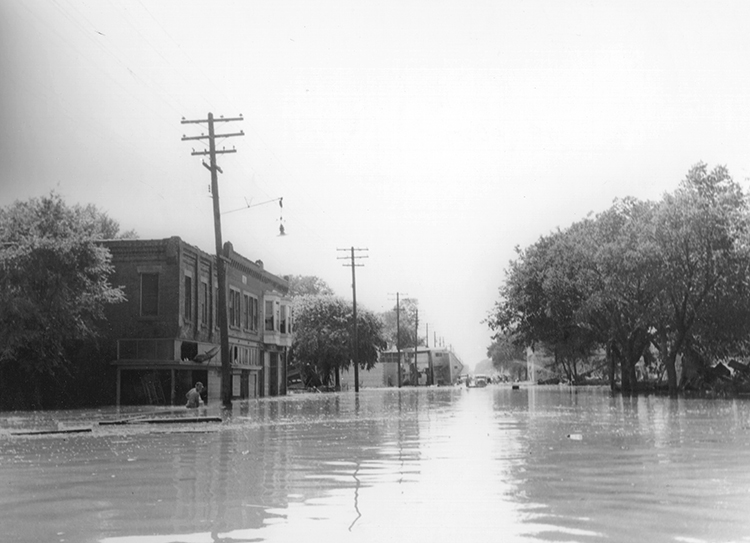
[167, 331]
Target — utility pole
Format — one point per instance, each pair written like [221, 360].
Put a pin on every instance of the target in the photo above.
[226, 364]
[355, 342]
[416, 343]
[398, 335]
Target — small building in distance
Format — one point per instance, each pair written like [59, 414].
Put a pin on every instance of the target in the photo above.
[167, 332]
[435, 366]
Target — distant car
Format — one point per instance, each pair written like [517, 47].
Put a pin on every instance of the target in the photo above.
[480, 381]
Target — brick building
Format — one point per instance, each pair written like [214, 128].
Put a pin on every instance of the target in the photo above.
[167, 331]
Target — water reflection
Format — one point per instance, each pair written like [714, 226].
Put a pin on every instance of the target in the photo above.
[439, 464]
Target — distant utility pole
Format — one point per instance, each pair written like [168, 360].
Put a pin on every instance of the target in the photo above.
[429, 355]
[355, 345]
[416, 343]
[226, 364]
[398, 335]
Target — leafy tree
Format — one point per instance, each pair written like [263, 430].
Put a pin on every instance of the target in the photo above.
[507, 356]
[542, 300]
[308, 285]
[53, 290]
[403, 325]
[323, 338]
[672, 273]
[702, 234]
[623, 284]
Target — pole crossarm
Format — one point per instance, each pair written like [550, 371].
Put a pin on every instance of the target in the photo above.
[217, 136]
[215, 152]
[352, 257]
[215, 119]
[218, 168]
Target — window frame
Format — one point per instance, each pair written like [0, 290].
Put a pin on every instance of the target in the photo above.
[187, 297]
[203, 303]
[155, 296]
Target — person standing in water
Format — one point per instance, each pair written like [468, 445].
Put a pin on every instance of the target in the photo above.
[194, 396]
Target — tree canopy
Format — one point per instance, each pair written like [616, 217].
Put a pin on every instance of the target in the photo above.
[670, 274]
[322, 344]
[402, 325]
[507, 357]
[308, 285]
[53, 290]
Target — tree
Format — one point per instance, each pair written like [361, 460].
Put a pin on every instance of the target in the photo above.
[323, 338]
[702, 234]
[623, 283]
[53, 290]
[673, 274]
[308, 285]
[403, 325]
[507, 356]
[542, 300]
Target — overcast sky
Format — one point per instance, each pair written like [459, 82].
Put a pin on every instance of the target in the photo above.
[437, 134]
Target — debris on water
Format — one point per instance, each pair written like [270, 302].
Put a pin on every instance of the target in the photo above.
[45, 432]
[159, 420]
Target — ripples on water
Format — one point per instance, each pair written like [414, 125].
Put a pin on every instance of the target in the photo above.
[438, 464]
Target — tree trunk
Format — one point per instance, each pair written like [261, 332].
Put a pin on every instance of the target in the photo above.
[611, 359]
[636, 356]
[627, 386]
[338, 379]
[668, 359]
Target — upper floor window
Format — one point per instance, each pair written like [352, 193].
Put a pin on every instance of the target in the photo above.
[149, 294]
[203, 303]
[234, 308]
[246, 311]
[285, 326]
[188, 309]
[254, 313]
[269, 314]
[216, 307]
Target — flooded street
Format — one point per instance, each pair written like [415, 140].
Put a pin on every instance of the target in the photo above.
[439, 464]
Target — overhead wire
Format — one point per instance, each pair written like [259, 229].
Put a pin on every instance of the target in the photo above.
[80, 22]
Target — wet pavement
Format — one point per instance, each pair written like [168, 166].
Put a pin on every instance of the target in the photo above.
[437, 464]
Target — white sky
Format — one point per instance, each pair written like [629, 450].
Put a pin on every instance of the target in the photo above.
[437, 134]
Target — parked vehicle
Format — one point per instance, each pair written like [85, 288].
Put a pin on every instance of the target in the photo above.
[480, 381]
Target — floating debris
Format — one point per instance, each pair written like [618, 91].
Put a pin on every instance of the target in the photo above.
[49, 431]
[160, 420]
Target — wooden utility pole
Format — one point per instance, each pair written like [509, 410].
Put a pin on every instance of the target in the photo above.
[415, 375]
[355, 340]
[226, 363]
[398, 334]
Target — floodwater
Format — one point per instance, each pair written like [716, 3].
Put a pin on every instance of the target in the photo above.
[432, 465]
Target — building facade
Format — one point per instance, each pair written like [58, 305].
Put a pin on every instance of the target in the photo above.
[434, 366]
[167, 332]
